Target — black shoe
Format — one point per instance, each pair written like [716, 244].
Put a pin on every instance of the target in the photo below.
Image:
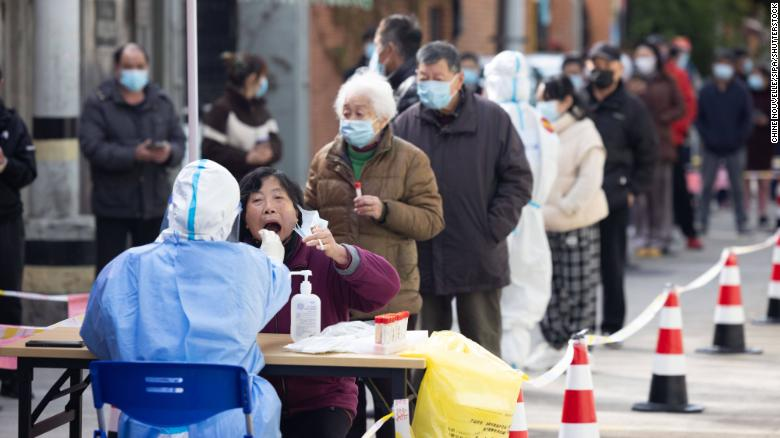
[10, 388]
[763, 222]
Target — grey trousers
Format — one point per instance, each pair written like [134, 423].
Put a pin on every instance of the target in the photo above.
[654, 210]
[735, 166]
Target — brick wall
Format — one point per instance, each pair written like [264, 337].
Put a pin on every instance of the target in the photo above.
[324, 76]
[600, 17]
[561, 30]
[331, 44]
[479, 26]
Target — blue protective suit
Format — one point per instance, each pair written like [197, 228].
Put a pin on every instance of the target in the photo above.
[191, 301]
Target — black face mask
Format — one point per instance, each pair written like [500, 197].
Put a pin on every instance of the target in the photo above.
[601, 79]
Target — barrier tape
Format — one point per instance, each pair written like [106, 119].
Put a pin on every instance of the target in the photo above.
[650, 311]
[63, 298]
[378, 425]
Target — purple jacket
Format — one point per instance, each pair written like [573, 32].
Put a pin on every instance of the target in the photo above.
[367, 284]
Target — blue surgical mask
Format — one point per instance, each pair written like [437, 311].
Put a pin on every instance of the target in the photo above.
[358, 133]
[263, 88]
[577, 81]
[133, 79]
[434, 94]
[548, 109]
[470, 76]
[722, 71]
[374, 64]
[368, 50]
[682, 60]
[755, 82]
[747, 65]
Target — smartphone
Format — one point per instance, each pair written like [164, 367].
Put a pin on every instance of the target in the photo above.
[54, 344]
[156, 145]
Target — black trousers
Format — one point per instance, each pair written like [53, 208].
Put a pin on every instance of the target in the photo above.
[11, 268]
[682, 198]
[613, 263]
[111, 236]
[324, 423]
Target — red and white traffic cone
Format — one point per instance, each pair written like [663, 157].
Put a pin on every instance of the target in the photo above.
[729, 315]
[773, 309]
[519, 427]
[668, 392]
[579, 408]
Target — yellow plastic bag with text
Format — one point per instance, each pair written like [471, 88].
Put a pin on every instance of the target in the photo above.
[466, 392]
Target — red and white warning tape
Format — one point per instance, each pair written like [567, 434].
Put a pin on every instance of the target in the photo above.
[651, 310]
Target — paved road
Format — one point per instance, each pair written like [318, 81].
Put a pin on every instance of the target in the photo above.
[741, 394]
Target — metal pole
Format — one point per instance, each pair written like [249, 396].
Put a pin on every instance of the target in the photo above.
[192, 80]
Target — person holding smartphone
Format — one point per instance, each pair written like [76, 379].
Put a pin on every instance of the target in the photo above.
[131, 135]
[239, 131]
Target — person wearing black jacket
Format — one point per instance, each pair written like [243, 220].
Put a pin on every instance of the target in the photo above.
[484, 180]
[397, 40]
[131, 135]
[725, 122]
[17, 169]
[629, 135]
[239, 131]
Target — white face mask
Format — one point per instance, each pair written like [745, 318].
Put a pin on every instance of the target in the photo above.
[645, 65]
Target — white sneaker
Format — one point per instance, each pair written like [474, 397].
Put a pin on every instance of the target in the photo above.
[516, 346]
[543, 357]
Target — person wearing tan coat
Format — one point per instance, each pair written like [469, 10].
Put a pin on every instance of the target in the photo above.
[400, 176]
[377, 191]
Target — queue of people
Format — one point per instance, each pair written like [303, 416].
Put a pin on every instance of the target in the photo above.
[443, 189]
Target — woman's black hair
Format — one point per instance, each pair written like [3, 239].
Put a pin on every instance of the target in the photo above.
[573, 58]
[559, 87]
[659, 62]
[253, 182]
[240, 65]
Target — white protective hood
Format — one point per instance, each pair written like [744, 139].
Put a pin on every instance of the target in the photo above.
[205, 203]
[508, 78]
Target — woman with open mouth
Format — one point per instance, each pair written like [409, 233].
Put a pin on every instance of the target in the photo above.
[344, 277]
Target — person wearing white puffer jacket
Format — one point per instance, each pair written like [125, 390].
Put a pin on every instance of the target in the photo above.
[572, 213]
[524, 300]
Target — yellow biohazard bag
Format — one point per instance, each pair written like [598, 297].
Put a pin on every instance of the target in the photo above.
[466, 392]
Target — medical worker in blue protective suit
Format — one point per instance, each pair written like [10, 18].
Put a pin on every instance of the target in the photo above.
[192, 296]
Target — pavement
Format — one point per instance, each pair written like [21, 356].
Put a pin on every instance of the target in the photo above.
[740, 393]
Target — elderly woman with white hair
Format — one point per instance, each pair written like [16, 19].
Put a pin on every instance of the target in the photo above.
[376, 190]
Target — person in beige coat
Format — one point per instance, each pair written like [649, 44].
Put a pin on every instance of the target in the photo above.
[572, 212]
[398, 202]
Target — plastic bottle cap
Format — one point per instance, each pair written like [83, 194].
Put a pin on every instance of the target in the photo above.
[305, 284]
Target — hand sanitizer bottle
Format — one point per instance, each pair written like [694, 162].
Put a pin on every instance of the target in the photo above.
[304, 310]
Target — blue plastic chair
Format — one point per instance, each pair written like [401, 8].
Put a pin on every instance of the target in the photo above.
[170, 394]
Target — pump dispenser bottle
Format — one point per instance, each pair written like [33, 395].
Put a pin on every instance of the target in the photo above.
[304, 310]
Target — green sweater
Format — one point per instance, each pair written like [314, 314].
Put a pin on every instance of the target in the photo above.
[359, 160]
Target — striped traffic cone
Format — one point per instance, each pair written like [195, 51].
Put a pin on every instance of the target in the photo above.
[729, 315]
[579, 408]
[668, 392]
[773, 309]
[519, 426]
